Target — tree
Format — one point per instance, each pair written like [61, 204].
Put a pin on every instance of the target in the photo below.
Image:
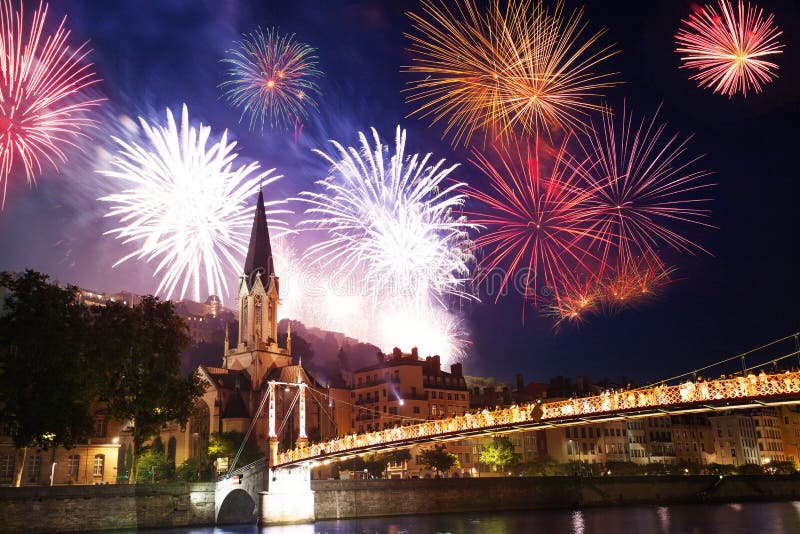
[196, 469]
[439, 459]
[140, 348]
[542, 466]
[499, 453]
[226, 445]
[47, 380]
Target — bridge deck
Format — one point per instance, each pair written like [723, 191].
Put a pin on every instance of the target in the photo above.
[740, 392]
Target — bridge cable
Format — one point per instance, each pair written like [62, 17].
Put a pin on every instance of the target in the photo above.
[247, 435]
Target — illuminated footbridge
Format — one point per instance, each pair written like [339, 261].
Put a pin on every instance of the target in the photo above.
[739, 392]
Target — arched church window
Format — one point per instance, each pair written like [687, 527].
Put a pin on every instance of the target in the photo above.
[259, 315]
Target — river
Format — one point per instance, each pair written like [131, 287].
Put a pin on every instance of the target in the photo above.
[756, 518]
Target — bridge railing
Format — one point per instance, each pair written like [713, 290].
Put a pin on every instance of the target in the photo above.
[740, 387]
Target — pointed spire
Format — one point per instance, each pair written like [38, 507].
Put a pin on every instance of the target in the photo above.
[259, 253]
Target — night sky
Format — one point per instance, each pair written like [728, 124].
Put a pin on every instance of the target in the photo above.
[157, 54]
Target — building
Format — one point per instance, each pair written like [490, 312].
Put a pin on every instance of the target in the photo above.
[735, 439]
[205, 320]
[249, 363]
[789, 424]
[767, 425]
[399, 389]
[693, 439]
[93, 462]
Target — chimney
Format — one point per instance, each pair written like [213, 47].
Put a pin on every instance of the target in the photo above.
[520, 382]
[437, 363]
[456, 369]
[415, 353]
[397, 353]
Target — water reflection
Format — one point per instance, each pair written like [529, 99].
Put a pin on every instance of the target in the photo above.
[577, 522]
[761, 518]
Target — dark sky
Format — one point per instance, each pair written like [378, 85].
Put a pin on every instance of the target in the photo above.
[158, 54]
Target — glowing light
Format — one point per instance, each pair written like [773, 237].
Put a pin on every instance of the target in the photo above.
[272, 78]
[43, 108]
[730, 50]
[184, 204]
[496, 69]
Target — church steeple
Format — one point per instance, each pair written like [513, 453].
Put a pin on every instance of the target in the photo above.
[259, 253]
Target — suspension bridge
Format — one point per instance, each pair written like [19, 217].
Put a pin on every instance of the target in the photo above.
[288, 473]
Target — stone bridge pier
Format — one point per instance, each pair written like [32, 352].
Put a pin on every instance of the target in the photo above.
[236, 498]
[288, 498]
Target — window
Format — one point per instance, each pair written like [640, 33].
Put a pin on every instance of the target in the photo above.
[416, 409]
[73, 463]
[99, 465]
[441, 395]
[100, 427]
[449, 396]
[34, 467]
[567, 432]
[6, 466]
[466, 458]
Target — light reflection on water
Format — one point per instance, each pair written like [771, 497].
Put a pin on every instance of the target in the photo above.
[760, 518]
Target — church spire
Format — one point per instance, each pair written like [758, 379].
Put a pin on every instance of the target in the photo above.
[259, 253]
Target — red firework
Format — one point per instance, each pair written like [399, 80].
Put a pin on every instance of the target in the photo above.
[628, 285]
[729, 49]
[538, 218]
[644, 182]
[41, 79]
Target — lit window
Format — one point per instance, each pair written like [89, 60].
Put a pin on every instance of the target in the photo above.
[34, 467]
[6, 466]
[99, 465]
[73, 462]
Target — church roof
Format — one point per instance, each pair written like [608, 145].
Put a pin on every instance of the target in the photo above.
[259, 253]
[229, 378]
[289, 374]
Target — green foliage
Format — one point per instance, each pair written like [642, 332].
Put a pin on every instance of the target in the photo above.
[439, 459]
[155, 467]
[139, 349]
[47, 383]
[542, 466]
[750, 469]
[197, 469]
[623, 469]
[499, 453]
[225, 445]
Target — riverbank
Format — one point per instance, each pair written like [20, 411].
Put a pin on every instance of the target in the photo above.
[342, 499]
[82, 508]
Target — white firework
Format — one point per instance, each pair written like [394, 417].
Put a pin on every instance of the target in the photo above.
[184, 203]
[391, 220]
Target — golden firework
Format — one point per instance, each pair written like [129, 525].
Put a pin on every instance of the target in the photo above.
[518, 64]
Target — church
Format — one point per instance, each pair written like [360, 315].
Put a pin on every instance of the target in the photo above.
[255, 358]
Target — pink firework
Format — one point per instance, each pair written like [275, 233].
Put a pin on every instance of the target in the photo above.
[647, 187]
[538, 219]
[42, 110]
[730, 49]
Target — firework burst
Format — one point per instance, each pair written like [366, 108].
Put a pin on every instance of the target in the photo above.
[42, 108]
[523, 66]
[184, 204]
[644, 181]
[392, 219]
[538, 218]
[272, 78]
[730, 49]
